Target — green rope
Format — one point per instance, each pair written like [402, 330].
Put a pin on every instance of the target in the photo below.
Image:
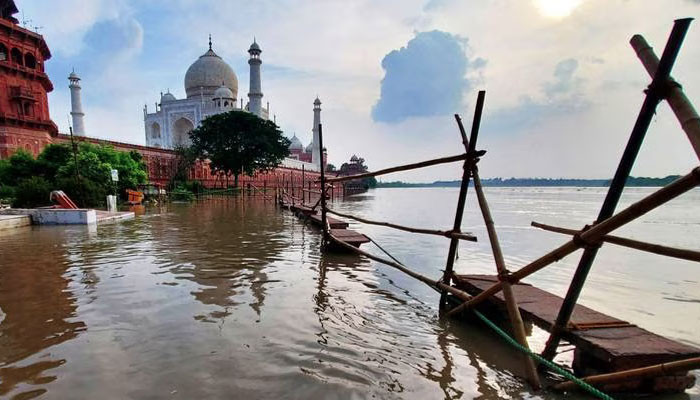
[568, 375]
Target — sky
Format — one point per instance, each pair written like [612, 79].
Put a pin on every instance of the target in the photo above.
[563, 86]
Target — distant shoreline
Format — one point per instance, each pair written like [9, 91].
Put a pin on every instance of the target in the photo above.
[538, 182]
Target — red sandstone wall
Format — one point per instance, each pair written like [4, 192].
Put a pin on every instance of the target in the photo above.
[161, 166]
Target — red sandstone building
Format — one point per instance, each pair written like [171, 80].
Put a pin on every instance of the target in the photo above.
[24, 110]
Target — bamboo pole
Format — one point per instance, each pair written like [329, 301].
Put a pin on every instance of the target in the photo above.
[422, 164]
[470, 147]
[516, 319]
[683, 254]
[650, 202]
[636, 373]
[324, 220]
[431, 282]
[681, 106]
[448, 234]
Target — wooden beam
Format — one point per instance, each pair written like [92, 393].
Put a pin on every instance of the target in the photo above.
[681, 106]
[448, 234]
[431, 282]
[516, 319]
[683, 254]
[636, 373]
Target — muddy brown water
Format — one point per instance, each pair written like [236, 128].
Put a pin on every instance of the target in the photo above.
[231, 298]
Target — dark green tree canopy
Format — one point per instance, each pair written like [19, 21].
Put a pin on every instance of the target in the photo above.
[238, 142]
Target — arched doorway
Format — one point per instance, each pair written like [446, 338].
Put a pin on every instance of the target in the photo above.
[155, 131]
[181, 132]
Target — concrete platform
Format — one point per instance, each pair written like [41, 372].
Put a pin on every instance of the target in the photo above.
[61, 216]
[14, 221]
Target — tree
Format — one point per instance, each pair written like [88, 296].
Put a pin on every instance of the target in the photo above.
[185, 159]
[238, 142]
[30, 180]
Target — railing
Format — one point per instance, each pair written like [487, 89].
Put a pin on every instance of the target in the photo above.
[662, 87]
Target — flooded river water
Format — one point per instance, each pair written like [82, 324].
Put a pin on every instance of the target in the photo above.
[231, 298]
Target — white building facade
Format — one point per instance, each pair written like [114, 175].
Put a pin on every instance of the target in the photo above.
[211, 87]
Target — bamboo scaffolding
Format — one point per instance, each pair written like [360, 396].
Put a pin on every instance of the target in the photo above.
[653, 96]
[636, 373]
[683, 254]
[516, 319]
[448, 234]
[406, 167]
[592, 235]
[676, 98]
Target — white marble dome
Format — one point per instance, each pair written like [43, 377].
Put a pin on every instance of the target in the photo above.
[206, 74]
[166, 97]
[223, 93]
[295, 143]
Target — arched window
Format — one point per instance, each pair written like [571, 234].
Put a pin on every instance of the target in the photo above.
[181, 132]
[28, 109]
[29, 61]
[225, 103]
[155, 131]
[3, 52]
[16, 56]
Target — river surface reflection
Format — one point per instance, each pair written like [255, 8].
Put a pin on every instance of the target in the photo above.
[231, 298]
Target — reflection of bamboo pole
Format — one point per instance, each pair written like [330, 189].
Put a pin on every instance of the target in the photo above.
[516, 319]
[406, 167]
[637, 373]
[652, 201]
[681, 106]
[449, 234]
[684, 254]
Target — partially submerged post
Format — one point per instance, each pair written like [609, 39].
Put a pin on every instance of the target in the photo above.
[324, 222]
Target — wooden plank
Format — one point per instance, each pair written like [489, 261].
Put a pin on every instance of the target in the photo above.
[351, 237]
[625, 346]
[333, 222]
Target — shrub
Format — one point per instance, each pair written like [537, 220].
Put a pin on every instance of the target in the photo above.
[83, 192]
[32, 192]
[7, 193]
[180, 193]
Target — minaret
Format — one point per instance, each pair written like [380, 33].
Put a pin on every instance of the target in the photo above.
[316, 151]
[76, 105]
[255, 93]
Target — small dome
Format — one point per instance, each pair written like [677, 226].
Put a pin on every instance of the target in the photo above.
[167, 97]
[310, 148]
[295, 143]
[73, 75]
[223, 93]
[353, 158]
[206, 74]
[254, 47]
[317, 102]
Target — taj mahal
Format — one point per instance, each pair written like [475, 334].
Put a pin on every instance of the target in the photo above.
[211, 87]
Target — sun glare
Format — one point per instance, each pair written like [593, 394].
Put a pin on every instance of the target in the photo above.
[557, 8]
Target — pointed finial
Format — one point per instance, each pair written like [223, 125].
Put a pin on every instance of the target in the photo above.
[210, 41]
